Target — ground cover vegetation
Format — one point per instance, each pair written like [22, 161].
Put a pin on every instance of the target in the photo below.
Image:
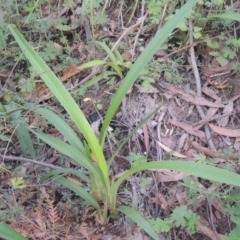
[119, 119]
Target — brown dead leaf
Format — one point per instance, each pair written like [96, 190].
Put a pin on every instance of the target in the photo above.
[209, 92]
[207, 231]
[223, 121]
[213, 71]
[189, 129]
[74, 180]
[218, 85]
[194, 99]
[168, 150]
[225, 131]
[43, 93]
[209, 116]
[209, 152]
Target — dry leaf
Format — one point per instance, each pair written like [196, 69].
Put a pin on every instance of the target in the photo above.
[211, 153]
[168, 150]
[211, 71]
[225, 131]
[194, 99]
[189, 129]
[223, 121]
[209, 92]
[74, 180]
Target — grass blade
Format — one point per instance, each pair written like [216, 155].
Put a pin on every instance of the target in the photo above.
[62, 127]
[71, 152]
[10, 234]
[200, 170]
[64, 97]
[142, 61]
[107, 50]
[21, 131]
[231, 16]
[137, 218]
[79, 191]
[93, 63]
[55, 173]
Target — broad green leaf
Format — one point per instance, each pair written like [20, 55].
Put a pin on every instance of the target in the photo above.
[93, 63]
[79, 191]
[71, 152]
[55, 173]
[62, 127]
[64, 97]
[10, 234]
[196, 169]
[137, 218]
[142, 61]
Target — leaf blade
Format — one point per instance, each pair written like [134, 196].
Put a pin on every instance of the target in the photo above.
[136, 217]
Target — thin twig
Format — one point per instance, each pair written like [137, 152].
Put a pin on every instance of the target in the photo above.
[198, 84]
[22, 159]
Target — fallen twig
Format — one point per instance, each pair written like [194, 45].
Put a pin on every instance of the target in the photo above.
[198, 84]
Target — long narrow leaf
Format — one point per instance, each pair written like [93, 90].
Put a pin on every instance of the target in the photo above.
[56, 172]
[231, 16]
[107, 50]
[95, 80]
[79, 190]
[64, 97]
[10, 234]
[21, 131]
[71, 152]
[137, 218]
[204, 171]
[142, 61]
[62, 127]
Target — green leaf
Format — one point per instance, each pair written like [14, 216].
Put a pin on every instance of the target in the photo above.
[141, 63]
[136, 159]
[64, 97]
[18, 183]
[204, 171]
[222, 60]
[107, 50]
[228, 52]
[93, 63]
[10, 234]
[21, 131]
[55, 173]
[79, 191]
[232, 16]
[180, 216]
[137, 218]
[71, 152]
[145, 182]
[182, 26]
[192, 225]
[62, 127]
[160, 225]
